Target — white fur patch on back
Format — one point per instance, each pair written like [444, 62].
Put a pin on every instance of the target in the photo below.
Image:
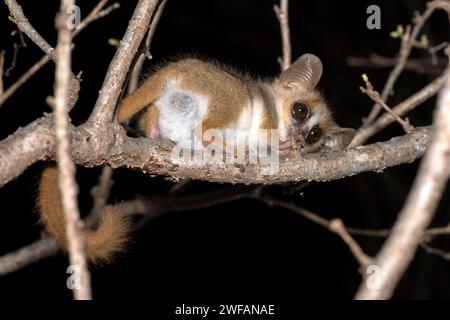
[181, 111]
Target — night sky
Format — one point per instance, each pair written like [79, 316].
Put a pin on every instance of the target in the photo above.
[240, 251]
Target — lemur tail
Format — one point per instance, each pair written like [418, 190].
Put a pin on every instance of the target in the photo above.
[101, 244]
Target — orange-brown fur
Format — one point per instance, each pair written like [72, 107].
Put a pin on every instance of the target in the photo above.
[235, 101]
[225, 90]
[101, 244]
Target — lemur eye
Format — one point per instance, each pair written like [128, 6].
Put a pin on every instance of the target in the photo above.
[300, 111]
[314, 135]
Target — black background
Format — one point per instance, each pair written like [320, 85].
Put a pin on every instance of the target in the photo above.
[240, 251]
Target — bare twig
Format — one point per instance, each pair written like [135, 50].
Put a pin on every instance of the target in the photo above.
[2, 72]
[95, 14]
[98, 12]
[434, 232]
[321, 221]
[66, 168]
[406, 235]
[100, 194]
[408, 39]
[282, 13]
[18, 17]
[134, 78]
[433, 50]
[402, 108]
[337, 226]
[436, 251]
[17, 47]
[42, 248]
[140, 22]
[375, 96]
[433, 66]
[23, 78]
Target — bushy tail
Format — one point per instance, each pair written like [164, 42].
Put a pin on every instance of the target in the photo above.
[102, 244]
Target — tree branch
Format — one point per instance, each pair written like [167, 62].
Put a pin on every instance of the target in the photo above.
[96, 13]
[402, 108]
[36, 142]
[38, 250]
[112, 85]
[408, 39]
[420, 65]
[66, 168]
[137, 70]
[18, 17]
[400, 247]
[282, 13]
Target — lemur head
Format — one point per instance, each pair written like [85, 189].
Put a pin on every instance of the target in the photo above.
[305, 121]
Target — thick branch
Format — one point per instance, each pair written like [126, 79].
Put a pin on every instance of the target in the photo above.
[149, 157]
[36, 142]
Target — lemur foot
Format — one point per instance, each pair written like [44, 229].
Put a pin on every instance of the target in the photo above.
[154, 133]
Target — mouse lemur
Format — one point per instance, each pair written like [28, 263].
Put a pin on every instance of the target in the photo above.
[183, 100]
[193, 96]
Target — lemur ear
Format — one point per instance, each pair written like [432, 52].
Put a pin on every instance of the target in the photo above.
[304, 72]
[339, 139]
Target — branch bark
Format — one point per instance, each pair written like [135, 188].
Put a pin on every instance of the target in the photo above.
[282, 13]
[36, 142]
[66, 168]
[112, 85]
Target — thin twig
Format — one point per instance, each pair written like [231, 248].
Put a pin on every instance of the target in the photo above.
[100, 194]
[66, 168]
[17, 47]
[134, 78]
[337, 226]
[433, 50]
[321, 221]
[399, 249]
[408, 39]
[402, 108]
[436, 251]
[2, 72]
[18, 17]
[103, 112]
[282, 14]
[375, 96]
[23, 78]
[95, 14]
[38, 250]
[427, 66]
[434, 232]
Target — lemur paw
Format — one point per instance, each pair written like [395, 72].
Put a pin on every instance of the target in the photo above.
[154, 133]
